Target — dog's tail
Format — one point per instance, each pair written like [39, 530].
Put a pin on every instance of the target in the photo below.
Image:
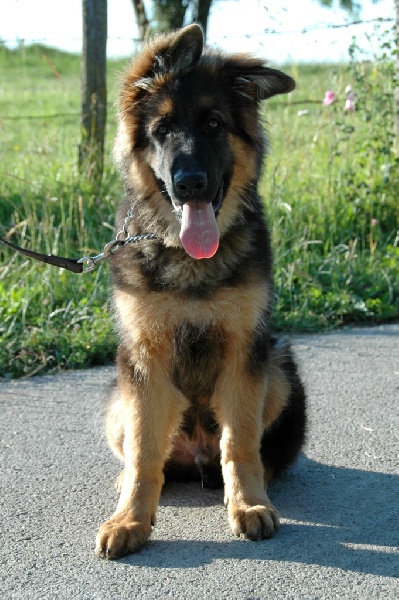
[285, 411]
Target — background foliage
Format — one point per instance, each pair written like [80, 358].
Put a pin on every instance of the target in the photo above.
[330, 192]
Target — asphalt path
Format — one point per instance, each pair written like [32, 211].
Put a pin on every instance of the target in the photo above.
[339, 502]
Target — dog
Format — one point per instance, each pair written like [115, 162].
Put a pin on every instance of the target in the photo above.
[203, 391]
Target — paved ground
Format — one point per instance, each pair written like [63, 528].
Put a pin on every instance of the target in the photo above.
[340, 531]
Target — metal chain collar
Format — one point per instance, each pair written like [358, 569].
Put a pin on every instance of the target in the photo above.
[121, 240]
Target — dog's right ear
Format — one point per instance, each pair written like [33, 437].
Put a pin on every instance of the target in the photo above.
[164, 57]
[173, 54]
[185, 49]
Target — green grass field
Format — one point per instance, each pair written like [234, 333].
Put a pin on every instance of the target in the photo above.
[330, 191]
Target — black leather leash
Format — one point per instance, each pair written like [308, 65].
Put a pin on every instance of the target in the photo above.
[87, 263]
[72, 264]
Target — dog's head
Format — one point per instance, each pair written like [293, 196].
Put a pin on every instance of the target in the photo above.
[189, 137]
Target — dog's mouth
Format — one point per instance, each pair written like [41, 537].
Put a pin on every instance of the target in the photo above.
[199, 231]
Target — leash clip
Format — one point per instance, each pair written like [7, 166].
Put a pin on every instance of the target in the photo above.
[91, 262]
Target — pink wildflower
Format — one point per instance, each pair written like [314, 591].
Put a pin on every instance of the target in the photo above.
[374, 222]
[329, 98]
[350, 103]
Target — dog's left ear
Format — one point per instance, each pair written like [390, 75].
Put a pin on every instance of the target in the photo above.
[186, 49]
[258, 82]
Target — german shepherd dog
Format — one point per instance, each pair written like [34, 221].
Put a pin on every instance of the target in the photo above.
[203, 390]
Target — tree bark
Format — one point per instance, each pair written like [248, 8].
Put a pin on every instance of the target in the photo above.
[396, 95]
[141, 18]
[203, 9]
[169, 14]
[94, 91]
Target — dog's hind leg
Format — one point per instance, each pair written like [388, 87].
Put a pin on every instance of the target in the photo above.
[145, 419]
[284, 415]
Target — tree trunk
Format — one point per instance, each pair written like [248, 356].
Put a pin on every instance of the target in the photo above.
[396, 96]
[169, 14]
[203, 9]
[141, 18]
[94, 93]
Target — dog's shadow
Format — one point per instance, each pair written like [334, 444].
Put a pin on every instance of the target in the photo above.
[332, 517]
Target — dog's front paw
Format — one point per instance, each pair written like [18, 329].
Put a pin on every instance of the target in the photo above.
[121, 535]
[254, 522]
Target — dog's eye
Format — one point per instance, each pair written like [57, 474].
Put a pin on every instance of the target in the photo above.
[213, 123]
[162, 129]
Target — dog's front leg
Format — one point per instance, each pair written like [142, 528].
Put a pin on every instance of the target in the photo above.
[150, 410]
[239, 407]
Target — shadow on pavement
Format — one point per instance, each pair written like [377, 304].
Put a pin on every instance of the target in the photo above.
[333, 517]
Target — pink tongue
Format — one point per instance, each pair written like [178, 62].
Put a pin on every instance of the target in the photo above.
[199, 233]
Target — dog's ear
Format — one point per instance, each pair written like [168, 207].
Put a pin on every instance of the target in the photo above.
[257, 82]
[173, 54]
[185, 49]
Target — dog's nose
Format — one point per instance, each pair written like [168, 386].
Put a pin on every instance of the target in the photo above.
[190, 184]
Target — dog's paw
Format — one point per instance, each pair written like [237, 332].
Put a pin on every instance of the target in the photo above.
[254, 522]
[120, 536]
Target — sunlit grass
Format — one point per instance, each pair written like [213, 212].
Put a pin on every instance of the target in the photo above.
[331, 203]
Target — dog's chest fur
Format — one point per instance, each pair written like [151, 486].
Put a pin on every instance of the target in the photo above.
[191, 335]
[197, 358]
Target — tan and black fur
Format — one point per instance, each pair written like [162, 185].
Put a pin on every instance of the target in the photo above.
[203, 390]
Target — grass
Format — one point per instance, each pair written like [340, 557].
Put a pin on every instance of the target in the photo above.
[329, 190]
